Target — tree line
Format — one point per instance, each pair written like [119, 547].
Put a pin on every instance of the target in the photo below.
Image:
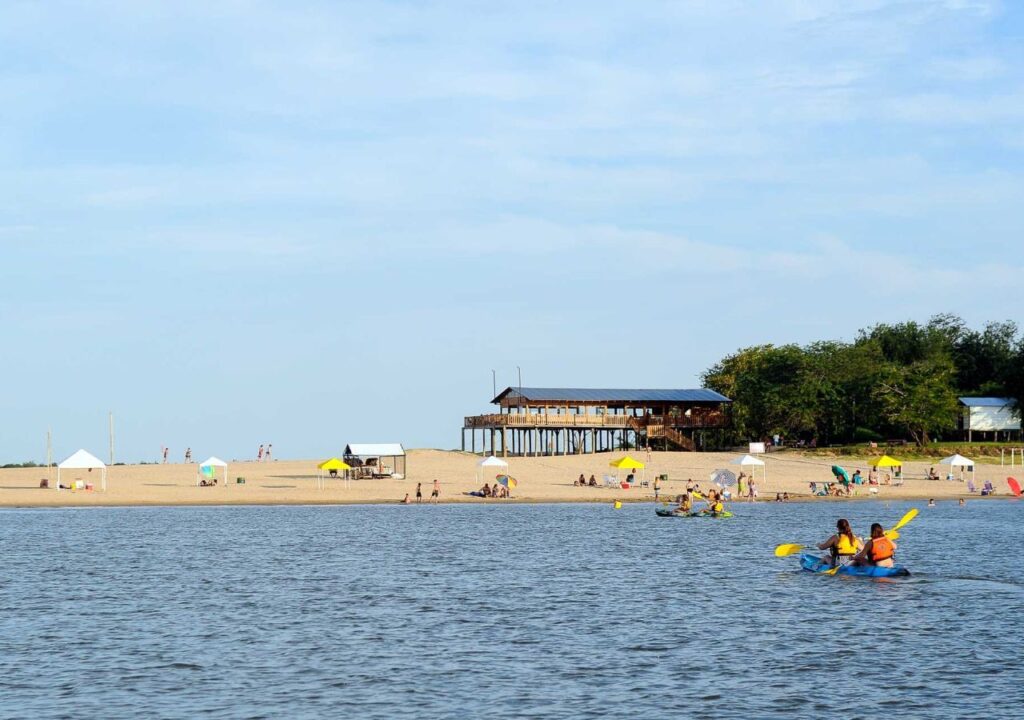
[893, 381]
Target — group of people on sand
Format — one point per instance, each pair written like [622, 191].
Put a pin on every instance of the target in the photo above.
[747, 490]
[435, 493]
[495, 491]
[845, 548]
[583, 482]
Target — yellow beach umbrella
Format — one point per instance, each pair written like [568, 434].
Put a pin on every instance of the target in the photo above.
[333, 464]
[886, 461]
[627, 463]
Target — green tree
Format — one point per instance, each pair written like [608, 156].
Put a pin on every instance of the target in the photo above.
[918, 398]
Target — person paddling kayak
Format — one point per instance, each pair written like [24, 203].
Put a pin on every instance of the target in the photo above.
[878, 551]
[715, 506]
[844, 545]
[684, 505]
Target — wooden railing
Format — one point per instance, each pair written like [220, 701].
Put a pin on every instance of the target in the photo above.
[593, 420]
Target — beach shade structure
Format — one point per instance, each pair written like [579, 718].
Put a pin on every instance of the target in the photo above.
[506, 480]
[327, 466]
[723, 478]
[890, 462]
[83, 460]
[628, 463]
[489, 464]
[958, 461]
[749, 461]
[376, 459]
[208, 469]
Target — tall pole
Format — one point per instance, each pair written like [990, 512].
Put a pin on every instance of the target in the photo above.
[494, 384]
[111, 437]
[49, 450]
[520, 371]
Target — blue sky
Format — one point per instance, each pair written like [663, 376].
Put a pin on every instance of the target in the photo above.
[312, 223]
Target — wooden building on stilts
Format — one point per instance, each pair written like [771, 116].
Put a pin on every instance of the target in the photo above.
[567, 421]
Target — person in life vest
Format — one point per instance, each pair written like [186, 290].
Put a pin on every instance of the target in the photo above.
[684, 506]
[842, 546]
[879, 550]
[715, 506]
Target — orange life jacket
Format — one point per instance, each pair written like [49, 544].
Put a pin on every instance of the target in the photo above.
[881, 549]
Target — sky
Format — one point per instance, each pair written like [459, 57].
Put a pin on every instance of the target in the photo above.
[314, 223]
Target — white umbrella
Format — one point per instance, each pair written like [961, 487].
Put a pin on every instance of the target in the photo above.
[960, 461]
[752, 462]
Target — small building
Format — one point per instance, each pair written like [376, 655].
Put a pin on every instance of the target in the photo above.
[376, 460]
[994, 418]
[564, 421]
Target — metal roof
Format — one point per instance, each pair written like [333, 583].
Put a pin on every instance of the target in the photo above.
[986, 401]
[374, 450]
[584, 395]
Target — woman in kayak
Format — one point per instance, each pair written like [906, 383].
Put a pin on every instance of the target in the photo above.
[843, 546]
[878, 551]
[715, 506]
[684, 505]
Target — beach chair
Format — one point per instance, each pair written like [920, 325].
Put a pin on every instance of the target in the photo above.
[970, 486]
[610, 481]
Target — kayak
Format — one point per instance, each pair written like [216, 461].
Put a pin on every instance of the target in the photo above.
[672, 513]
[815, 564]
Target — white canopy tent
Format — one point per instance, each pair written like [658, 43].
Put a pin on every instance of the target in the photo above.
[958, 461]
[752, 462]
[490, 464]
[83, 460]
[213, 462]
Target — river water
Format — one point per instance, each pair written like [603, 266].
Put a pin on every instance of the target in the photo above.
[502, 611]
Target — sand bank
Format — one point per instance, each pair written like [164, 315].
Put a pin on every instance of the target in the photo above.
[545, 479]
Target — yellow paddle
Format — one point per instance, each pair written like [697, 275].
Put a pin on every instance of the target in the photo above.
[892, 534]
[788, 549]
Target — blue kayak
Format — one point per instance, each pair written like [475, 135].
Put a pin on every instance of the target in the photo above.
[816, 564]
[674, 513]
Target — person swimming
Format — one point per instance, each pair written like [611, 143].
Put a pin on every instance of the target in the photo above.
[843, 545]
[931, 502]
[878, 551]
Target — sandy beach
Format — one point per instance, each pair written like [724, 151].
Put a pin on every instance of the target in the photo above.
[541, 479]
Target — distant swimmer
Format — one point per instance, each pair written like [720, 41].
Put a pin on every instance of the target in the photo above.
[931, 502]
[843, 545]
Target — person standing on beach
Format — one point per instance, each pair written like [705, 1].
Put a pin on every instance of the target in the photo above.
[435, 494]
[188, 455]
[269, 449]
[166, 450]
[753, 489]
[419, 492]
[259, 454]
[657, 487]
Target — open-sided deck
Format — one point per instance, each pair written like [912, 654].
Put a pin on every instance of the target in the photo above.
[556, 421]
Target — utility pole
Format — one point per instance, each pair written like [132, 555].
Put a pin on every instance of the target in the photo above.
[494, 384]
[111, 437]
[520, 371]
[49, 450]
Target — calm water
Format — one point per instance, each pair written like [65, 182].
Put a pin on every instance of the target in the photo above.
[503, 611]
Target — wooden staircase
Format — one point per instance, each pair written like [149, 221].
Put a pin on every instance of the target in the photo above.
[656, 430]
